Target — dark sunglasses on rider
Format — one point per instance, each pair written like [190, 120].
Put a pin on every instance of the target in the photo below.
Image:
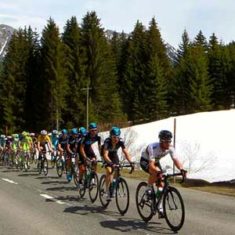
[166, 141]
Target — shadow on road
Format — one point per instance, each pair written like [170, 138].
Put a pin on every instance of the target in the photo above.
[62, 189]
[86, 209]
[129, 225]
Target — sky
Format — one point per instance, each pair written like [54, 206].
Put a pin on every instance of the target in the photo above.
[204, 143]
[172, 16]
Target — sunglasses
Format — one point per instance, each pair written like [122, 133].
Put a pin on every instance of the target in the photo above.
[93, 130]
[166, 141]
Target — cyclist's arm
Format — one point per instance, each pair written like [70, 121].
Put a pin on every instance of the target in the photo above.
[127, 155]
[178, 163]
[82, 151]
[69, 149]
[106, 156]
[59, 148]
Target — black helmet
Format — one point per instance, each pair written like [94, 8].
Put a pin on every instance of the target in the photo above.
[165, 135]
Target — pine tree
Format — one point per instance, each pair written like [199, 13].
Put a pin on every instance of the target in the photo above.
[136, 74]
[75, 114]
[180, 83]
[14, 82]
[218, 70]
[32, 75]
[158, 72]
[100, 72]
[53, 80]
[200, 87]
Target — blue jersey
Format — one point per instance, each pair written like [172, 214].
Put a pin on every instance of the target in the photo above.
[54, 141]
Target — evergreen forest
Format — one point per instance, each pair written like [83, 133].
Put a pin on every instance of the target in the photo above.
[49, 81]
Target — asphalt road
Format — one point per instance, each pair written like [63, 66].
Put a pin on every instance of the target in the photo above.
[34, 204]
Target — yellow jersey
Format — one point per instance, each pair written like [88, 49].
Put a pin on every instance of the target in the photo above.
[44, 139]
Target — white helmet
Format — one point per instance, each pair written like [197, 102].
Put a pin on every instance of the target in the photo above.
[43, 132]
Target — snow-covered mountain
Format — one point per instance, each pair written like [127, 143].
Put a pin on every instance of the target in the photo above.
[6, 32]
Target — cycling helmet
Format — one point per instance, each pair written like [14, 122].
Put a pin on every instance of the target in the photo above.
[15, 136]
[43, 132]
[92, 125]
[64, 132]
[3, 136]
[74, 131]
[115, 131]
[54, 132]
[165, 135]
[82, 131]
[24, 133]
[32, 134]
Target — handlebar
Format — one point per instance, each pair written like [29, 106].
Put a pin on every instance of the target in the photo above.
[182, 173]
[119, 166]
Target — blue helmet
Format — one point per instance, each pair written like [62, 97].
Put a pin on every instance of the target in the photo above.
[74, 131]
[115, 131]
[82, 131]
[64, 132]
[92, 125]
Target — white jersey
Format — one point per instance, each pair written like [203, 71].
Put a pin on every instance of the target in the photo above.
[154, 152]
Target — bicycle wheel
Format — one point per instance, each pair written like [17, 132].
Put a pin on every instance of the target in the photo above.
[83, 186]
[93, 187]
[45, 166]
[26, 164]
[122, 196]
[173, 206]
[40, 166]
[144, 203]
[59, 167]
[75, 175]
[102, 192]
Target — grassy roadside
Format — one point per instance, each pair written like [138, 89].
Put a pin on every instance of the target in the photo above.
[223, 188]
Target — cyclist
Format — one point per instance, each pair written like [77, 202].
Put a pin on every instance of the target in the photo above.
[62, 147]
[110, 155]
[54, 142]
[86, 149]
[82, 133]
[72, 146]
[150, 160]
[26, 144]
[44, 143]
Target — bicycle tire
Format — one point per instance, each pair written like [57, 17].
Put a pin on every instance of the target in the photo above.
[93, 187]
[40, 166]
[75, 176]
[122, 191]
[59, 167]
[45, 166]
[143, 202]
[102, 192]
[83, 186]
[173, 207]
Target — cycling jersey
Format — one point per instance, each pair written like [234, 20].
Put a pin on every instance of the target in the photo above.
[15, 144]
[44, 139]
[26, 143]
[112, 150]
[155, 152]
[54, 141]
[73, 143]
[63, 141]
[87, 141]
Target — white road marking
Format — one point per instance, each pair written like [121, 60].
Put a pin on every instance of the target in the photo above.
[52, 198]
[60, 202]
[9, 181]
[46, 196]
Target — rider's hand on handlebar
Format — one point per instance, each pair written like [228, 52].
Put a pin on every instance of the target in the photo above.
[183, 172]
